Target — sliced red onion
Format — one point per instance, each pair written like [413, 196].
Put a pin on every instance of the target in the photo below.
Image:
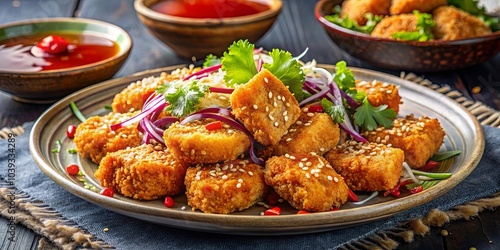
[315, 96]
[201, 73]
[350, 101]
[217, 110]
[231, 122]
[157, 103]
[152, 131]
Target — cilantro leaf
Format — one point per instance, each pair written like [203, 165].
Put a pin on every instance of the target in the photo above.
[424, 29]
[344, 76]
[238, 63]
[369, 117]
[336, 112]
[183, 98]
[348, 23]
[472, 7]
[288, 70]
[211, 60]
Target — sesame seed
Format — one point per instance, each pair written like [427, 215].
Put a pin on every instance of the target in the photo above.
[230, 131]
[310, 114]
[335, 179]
[279, 97]
[308, 163]
[243, 108]
[303, 159]
[286, 118]
[301, 164]
[275, 104]
[183, 208]
[261, 213]
[329, 178]
[203, 152]
[271, 117]
[287, 156]
[224, 177]
[287, 104]
[305, 109]
[267, 109]
[288, 139]
[255, 107]
[238, 185]
[292, 157]
[308, 175]
[322, 149]
[270, 94]
[240, 180]
[276, 124]
[316, 175]
[250, 173]
[265, 80]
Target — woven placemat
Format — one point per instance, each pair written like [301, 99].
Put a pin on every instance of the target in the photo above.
[34, 215]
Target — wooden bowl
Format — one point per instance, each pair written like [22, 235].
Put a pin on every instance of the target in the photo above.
[49, 85]
[408, 55]
[198, 37]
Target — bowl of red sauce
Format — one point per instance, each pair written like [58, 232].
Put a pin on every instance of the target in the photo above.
[42, 60]
[197, 28]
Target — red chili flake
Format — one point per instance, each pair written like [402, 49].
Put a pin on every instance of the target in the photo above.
[416, 189]
[72, 169]
[53, 45]
[214, 125]
[395, 191]
[169, 202]
[272, 198]
[273, 211]
[352, 196]
[70, 131]
[315, 109]
[429, 166]
[303, 212]
[107, 192]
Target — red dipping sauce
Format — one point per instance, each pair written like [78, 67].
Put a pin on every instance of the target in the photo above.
[83, 49]
[209, 8]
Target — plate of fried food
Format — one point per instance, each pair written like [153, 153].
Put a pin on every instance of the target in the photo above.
[423, 36]
[257, 143]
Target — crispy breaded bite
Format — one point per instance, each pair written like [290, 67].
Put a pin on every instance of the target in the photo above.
[225, 188]
[453, 24]
[380, 93]
[266, 107]
[194, 143]
[392, 24]
[145, 172]
[357, 9]
[367, 166]
[135, 94]
[419, 138]
[407, 6]
[306, 181]
[312, 132]
[94, 138]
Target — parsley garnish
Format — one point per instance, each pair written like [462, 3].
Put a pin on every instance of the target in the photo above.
[348, 23]
[336, 112]
[288, 71]
[239, 66]
[182, 98]
[58, 147]
[238, 63]
[211, 60]
[344, 78]
[424, 29]
[472, 6]
[72, 150]
[368, 117]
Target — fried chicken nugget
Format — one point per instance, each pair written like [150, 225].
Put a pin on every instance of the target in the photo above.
[419, 138]
[266, 107]
[453, 24]
[312, 132]
[145, 172]
[408, 6]
[224, 188]
[392, 24]
[306, 181]
[94, 138]
[380, 93]
[367, 166]
[135, 94]
[194, 143]
[357, 9]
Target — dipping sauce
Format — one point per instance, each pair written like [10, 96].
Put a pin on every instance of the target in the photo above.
[209, 8]
[83, 49]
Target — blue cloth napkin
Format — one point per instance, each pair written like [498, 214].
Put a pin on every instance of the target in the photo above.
[129, 233]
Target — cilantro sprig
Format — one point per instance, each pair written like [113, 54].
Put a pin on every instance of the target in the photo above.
[239, 66]
[182, 98]
[211, 60]
[472, 7]
[424, 29]
[336, 112]
[366, 116]
[348, 23]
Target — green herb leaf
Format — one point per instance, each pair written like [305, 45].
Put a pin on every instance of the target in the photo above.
[77, 112]
[336, 112]
[348, 23]
[369, 117]
[58, 147]
[472, 7]
[183, 98]
[238, 63]
[424, 29]
[72, 151]
[344, 77]
[211, 60]
[445, 155]
[108, 107]
[288, 70]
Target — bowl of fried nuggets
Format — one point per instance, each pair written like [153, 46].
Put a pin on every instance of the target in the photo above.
[307, 160]
[460, 39]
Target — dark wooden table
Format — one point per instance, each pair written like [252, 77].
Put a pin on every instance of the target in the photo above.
[295, 30]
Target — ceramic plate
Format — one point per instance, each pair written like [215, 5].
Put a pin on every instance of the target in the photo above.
[463, 132]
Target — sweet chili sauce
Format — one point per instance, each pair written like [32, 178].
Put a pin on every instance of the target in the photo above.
[83, 49]
[209, 8]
